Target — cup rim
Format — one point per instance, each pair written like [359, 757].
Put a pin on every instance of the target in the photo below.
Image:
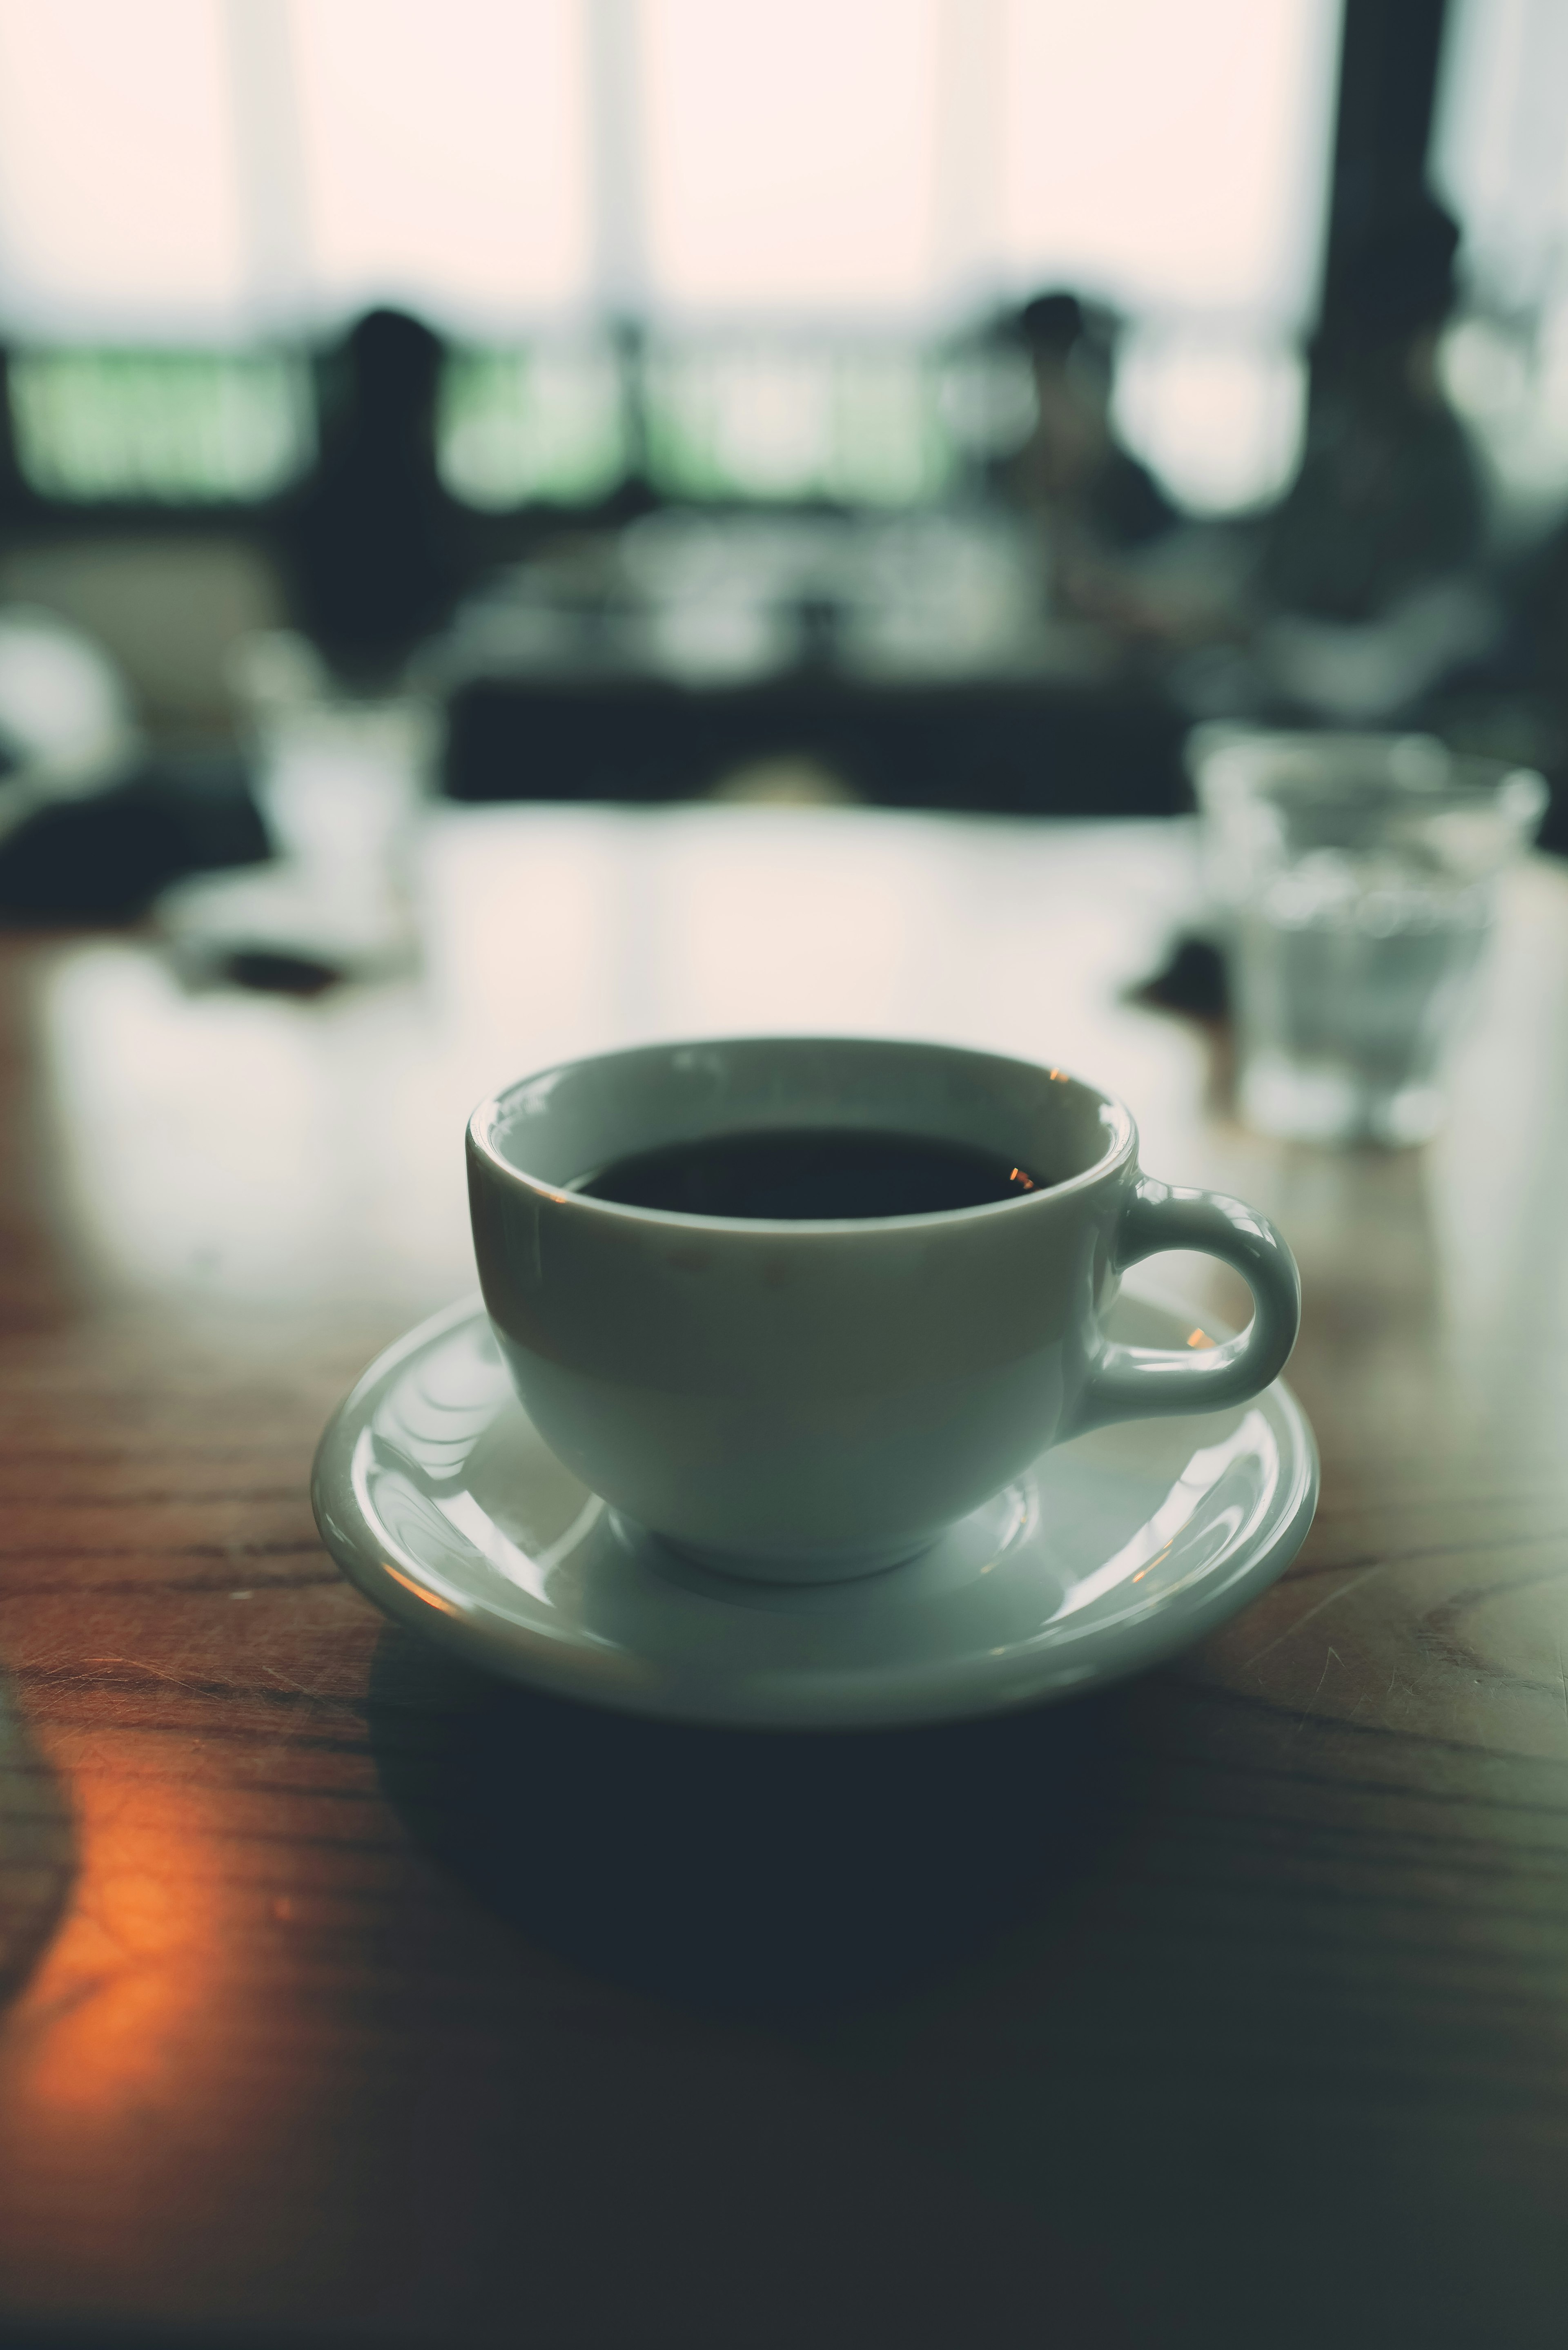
[1121, 1144]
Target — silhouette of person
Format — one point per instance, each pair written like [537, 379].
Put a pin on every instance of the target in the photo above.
[1072, 472]
[1388, 499]
[1369, 590]
[373, 540]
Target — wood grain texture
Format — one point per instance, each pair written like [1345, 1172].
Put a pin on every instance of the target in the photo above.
[353, 1998]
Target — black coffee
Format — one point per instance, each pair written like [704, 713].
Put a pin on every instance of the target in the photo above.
[808, 1173]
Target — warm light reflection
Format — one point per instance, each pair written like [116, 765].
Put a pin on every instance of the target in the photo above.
[1201, 1338]
[134, 1960]
[421, 1590]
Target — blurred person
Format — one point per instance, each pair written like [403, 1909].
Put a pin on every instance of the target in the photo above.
[374, 542]
[1093, 501]
[1369, 586]
[1119, 555]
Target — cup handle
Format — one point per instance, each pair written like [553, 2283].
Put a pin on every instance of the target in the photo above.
[1139, 1382]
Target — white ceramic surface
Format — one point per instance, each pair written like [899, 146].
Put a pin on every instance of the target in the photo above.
[807, 1400]
[439, 1499]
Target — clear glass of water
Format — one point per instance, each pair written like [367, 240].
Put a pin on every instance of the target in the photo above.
[1354, 875]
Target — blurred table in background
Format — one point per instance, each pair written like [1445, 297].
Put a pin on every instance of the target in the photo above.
[1013, 746]
[1230, 2008]
[916, 657]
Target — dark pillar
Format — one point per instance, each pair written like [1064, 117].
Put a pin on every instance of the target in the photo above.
[1391, 52]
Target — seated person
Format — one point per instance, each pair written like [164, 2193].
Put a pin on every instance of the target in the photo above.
[1368, 581]
[1072, 472]
[372, 541]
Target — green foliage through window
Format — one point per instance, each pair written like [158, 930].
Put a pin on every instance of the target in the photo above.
[518, 425]
[177, 428]
[863, 427]
[748, 421]
[727, 421]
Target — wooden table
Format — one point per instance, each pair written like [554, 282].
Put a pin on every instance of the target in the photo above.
[353, 1998]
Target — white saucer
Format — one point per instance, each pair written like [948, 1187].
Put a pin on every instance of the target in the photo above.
[435, 1495]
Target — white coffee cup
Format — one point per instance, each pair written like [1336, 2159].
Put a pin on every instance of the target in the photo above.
[803, 1401]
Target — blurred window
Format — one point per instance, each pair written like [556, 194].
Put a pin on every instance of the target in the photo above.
[545, 423]
[1499, 162]
[770, 190]
[906, 155]
[777, 422]
[171, 170]
[173, 427]
[1219, 416]
[1170, 159]
[120, 212]
[444, 154]
[1498, 151]
[1188, 191]
[790, 155]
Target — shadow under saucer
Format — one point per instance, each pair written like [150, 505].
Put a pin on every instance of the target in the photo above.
[748, 1870]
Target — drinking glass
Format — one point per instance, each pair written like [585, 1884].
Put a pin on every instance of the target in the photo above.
[1354, 875]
